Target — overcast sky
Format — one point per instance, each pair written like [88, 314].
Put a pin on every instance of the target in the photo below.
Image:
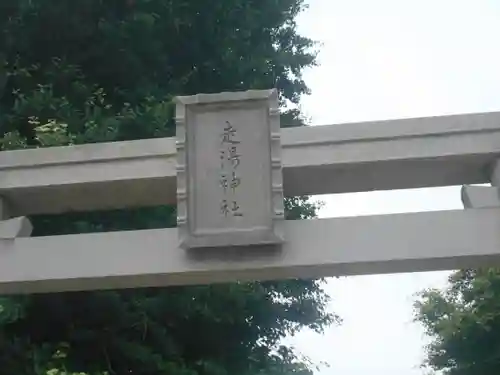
[384, 59]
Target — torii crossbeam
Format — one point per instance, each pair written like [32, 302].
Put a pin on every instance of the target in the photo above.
[409, 153]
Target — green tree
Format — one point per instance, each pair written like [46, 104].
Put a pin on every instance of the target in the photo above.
[106, 70]
[464, 323]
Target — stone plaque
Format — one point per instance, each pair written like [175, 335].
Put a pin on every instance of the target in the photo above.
[229, 179]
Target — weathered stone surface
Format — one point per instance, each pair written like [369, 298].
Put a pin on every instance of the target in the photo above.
[229, 179]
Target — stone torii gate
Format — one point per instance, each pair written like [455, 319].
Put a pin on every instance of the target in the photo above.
[228, 169]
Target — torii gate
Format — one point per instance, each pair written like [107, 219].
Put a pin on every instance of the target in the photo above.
[397, 154]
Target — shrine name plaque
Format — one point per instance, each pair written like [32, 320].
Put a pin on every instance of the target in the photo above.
[229, 176]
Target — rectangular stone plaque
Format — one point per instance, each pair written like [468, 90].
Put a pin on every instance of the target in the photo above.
[229, 179]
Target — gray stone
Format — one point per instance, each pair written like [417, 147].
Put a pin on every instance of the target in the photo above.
[229, 178]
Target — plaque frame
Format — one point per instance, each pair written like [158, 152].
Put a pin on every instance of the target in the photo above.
[273, 233]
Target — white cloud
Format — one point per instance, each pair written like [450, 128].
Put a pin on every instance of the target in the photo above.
[387, 59]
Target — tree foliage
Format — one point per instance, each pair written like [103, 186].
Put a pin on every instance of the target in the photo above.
[85, 71]
[464, 323]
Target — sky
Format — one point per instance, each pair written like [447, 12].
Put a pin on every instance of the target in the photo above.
[386, 59]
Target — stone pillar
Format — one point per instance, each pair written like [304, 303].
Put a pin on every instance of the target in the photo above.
[484, 196]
